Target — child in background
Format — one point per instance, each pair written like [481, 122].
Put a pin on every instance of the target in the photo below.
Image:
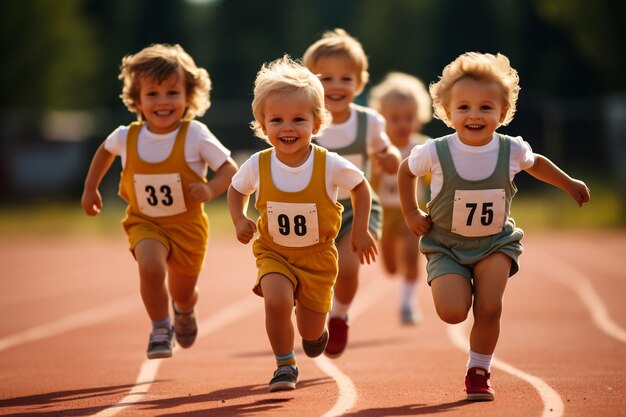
[296, 186]
[358, 134]
[471, 243]
[165, 156]
[405, 104]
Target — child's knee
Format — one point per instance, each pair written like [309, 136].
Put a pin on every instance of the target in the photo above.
[452, 314]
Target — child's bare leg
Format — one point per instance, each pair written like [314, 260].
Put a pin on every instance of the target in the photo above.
[490, 278]
[151, 258]
[348, 278]
[310, 323]
[388, 251]
[183, 290]
[278, 296]
[411, 256]
[452, 296]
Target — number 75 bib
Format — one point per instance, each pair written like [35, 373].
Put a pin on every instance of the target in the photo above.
[478, 212]
[293, 224]
[159, 195]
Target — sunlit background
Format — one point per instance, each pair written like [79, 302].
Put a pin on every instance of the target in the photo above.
[60, 62]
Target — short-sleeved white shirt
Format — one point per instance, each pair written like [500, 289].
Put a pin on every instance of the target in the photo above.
[202, 149]
[340, 173]
[472, 163]
[338, 136]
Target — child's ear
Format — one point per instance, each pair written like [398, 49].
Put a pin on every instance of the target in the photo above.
[316, 126]
[505, 110]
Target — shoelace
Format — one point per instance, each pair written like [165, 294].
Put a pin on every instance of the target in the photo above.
[284, 370]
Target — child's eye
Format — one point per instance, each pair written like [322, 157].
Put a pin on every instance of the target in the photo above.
[463, 107]
[275, 120]
[346, 79]
[485, 107]
[300, 119]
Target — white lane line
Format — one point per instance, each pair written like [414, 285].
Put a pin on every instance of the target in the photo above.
[552, 403]
[149, 368]
[581, 285]
[347, 390]
[84, 318]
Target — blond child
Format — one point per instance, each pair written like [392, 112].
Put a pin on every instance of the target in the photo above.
[165, 156]
[405, 104]
[358, 134]
[296, 186]
[470, 240]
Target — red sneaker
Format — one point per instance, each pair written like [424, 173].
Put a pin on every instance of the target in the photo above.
[477, 385]
[337, 337]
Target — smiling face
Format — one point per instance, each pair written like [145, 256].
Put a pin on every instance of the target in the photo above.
[163, 105]
[476, 109]
[341, 82]
[289, 123]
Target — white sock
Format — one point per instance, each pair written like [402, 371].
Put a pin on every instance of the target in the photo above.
[478, 360]
[407, 292]
[339, 309]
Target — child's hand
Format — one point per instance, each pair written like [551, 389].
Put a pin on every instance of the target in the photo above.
[245, 229]
[364, 245]
[200, 192]
[388, 161]
[579, 192]
[91, 202]
[418, 222]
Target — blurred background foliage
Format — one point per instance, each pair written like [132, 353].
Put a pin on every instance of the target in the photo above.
[61, 62]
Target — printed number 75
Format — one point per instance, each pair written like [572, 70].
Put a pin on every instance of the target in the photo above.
[486, 217]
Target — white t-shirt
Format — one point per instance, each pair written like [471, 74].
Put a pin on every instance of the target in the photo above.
[338, 136]
[472, 163]
[340, 173]
[202, 148]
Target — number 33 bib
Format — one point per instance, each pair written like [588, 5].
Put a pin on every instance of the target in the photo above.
[159, 195]
[293, 225]
[478, 212]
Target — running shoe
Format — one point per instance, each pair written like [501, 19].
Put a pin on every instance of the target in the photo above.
[337, 337]
[160, 344]
[314, 348]
[285, 378]
[477, 385]
[410, 316]
[185, 327]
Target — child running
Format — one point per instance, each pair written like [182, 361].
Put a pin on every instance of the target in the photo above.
[165, 156]
[405, 104]
[470, 240]
[296, 186]
[358, 134]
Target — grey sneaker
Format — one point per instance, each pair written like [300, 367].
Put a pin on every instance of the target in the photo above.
[185, 327]
[314, 348]
[285, 378]
[160, 344]
[410, 316]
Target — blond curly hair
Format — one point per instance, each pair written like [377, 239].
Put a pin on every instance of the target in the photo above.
[287, 76]
[158, 62]
[481, 67]
[338, 43]
[402, 87]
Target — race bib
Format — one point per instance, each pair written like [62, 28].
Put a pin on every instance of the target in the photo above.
[357, 161]
[159, 195]
[478, 212]
[293, 225]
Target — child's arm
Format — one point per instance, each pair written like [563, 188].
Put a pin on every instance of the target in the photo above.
[417, 221]
[545, 170]
[389, 159]
[205, 192]
[362, 241]
[237, 205]
[91, 199]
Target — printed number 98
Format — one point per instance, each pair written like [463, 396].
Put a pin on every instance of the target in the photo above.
[299, 225]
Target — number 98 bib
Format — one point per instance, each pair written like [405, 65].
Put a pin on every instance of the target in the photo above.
[293, 225]
[478, 212]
